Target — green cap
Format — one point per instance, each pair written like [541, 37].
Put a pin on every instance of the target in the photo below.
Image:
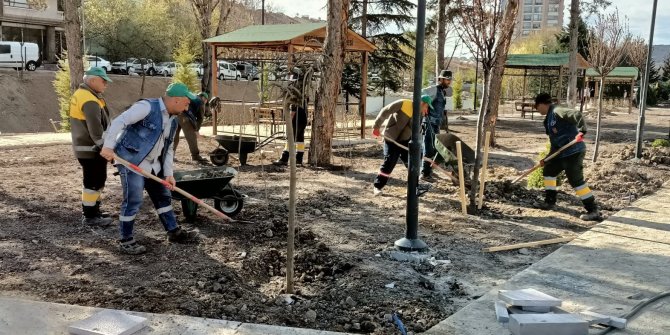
[179, 90]
[427, 99]
[204, 94]
[99, 72]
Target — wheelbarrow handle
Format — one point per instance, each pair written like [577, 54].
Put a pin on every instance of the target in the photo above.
[139, 170]
[432, 162]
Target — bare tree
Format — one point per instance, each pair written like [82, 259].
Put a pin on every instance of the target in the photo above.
[204, 10]
[323, 125]
[73, 39]
[487, 32]
[637, 56]
[442, 21]
[574, 36]
[608, 43]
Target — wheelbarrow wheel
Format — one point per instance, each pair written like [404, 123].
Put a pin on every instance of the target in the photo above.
[229, 202]
[219, 157]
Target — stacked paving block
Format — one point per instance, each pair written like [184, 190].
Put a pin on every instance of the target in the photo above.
[531, 312]
[108, 322]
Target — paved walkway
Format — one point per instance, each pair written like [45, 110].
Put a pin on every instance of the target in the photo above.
[19, 316]
[618, 258]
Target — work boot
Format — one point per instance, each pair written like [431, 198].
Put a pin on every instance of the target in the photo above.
[97, 221]
[376, 191]
[421, 189]
[298, 157]
[544, 205]
[200, 160]
[283, 160]
[99, 212]
[428, 178]
[131, 247]
[591, 216]
[180, 235]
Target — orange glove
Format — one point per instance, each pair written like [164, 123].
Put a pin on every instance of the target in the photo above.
[580, 137]
[375, 132]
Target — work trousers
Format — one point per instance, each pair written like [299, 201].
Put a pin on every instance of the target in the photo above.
[573, 166]
[190, 133]
[391, 154]
[95, 176]
[299, 122]
[133, 185]
[429, 147]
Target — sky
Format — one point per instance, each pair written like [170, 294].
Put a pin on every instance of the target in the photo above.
[638, 12]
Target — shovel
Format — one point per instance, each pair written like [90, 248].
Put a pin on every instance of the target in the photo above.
[578, 138]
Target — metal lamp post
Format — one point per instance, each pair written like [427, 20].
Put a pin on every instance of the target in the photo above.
[644, 86]
[411, 241]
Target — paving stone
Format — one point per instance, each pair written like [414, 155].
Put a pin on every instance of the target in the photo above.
[528, 297]
[597, 318]
[554, 324]
[537, 309]
[108, 322]
[501, 311]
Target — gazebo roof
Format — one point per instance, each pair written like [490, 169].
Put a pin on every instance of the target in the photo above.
[543, 61]
[278, 37]
[620, 72]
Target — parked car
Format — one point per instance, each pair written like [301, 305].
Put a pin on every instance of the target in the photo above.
[247, 71]
[19, 55]
[135, 65]
[197, 68]
[167, 68]
[98, 62]
[228, 71]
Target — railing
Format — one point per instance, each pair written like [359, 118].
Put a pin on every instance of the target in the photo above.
[16, 3]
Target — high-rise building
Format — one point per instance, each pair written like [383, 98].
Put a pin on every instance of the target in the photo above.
[536, 15]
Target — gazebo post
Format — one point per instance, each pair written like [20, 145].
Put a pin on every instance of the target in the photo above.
[523, 92]
[364, 92]
[630, 96]
[215, 89]
[560, 84]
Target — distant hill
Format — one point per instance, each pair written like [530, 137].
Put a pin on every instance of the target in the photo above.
[659, 53]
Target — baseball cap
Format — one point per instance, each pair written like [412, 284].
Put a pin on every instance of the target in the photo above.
[179, 90]
[98, 72]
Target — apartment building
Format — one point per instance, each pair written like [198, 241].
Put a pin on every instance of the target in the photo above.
[537, 15]
[19, 21]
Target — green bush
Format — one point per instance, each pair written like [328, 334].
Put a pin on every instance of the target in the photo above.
[62, 88]
[660, 142]
[458, 90]
[183, 56]
[536, 179]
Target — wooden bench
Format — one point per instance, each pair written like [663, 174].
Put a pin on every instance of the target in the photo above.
[525, 107]
[274, 116]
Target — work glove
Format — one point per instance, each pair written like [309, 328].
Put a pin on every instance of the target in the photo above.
[375, 132]
[580, 137]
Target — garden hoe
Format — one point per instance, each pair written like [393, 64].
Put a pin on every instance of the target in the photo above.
[578, 138]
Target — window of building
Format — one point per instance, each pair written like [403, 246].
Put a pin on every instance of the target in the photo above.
[539, 2]
[552, 23]
[552, 9]
[527, 9]
[554, 2]
[537, 17]
[537, 9]
[60, 5]
[5, 49]
[525, 32]
[528, 17]
[553, 17]
[526, 25]
[528, 2]
[537, 25]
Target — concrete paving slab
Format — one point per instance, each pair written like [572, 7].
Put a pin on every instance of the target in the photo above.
[554, 324]
[625, 255]
[19, 316]
[528, 297]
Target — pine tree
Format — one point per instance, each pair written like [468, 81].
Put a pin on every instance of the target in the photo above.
[383, 22]
[654, 75]
[666, 69]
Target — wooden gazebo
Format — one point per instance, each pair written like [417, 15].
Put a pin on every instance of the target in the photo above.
[264, 42]
[619, 75]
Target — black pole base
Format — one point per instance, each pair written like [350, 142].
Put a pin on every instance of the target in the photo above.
[405, 244]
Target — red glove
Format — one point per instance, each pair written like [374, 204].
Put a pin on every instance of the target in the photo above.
[375, 132]
[580, 137]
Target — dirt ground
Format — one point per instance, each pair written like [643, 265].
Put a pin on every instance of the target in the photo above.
[346, 280]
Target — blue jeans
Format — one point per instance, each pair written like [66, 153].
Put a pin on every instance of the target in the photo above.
[133, 185]
[429, 146]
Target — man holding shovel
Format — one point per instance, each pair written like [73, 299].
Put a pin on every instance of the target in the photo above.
[190, 122]
[563, 125]
[143, 136]
[398, 129]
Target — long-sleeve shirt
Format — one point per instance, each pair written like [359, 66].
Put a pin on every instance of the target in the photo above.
[137, 113]
[399, 115]
[89, 118]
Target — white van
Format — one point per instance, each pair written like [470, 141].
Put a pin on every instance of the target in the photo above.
[13, 55]
[228, 71]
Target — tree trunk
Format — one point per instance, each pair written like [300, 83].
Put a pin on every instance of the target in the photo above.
[323, 124]
[73, 39]
[206, 80]
[205, 33]
[488, 114]
[574, 36]
[600, 110]
[441, 34]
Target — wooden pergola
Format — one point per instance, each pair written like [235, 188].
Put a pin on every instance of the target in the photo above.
[620, 75]
[261, 42]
